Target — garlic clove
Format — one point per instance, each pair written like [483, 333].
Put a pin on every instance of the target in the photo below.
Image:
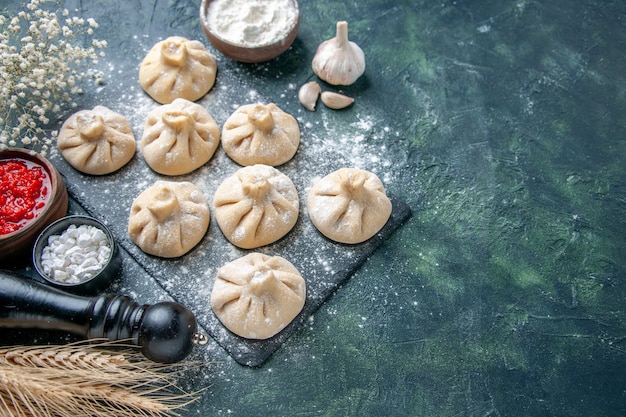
[335, 100]
[308, 95]
[339, 61]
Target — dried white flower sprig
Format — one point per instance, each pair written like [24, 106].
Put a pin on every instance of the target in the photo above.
[42, 55]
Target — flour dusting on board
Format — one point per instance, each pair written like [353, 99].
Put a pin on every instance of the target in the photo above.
[329, 141]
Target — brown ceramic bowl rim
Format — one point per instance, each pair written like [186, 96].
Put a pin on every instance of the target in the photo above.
[32, 156]
[249, 54]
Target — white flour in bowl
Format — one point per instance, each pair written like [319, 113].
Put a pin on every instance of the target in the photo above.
[251, 23]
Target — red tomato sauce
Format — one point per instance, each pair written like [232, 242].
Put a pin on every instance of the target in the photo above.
[24, 189]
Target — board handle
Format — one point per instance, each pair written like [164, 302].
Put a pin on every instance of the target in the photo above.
[166, 331]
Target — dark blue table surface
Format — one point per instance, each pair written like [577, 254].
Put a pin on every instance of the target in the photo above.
[502, 125]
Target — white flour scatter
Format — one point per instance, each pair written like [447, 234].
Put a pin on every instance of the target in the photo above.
[360, 143]
[357, 138]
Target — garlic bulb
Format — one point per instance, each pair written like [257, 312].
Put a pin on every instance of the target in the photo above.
[339, 61]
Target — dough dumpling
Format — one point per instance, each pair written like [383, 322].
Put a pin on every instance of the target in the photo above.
[349, 205]
[260, 134]
[177, 68]
[97, 141]
[169, 218]
[256, 206]
[179, 137]
[257, 295]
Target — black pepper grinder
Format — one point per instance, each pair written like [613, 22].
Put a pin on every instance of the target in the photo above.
[165, 331]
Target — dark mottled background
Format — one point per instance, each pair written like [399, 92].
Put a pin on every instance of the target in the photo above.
[502, 125]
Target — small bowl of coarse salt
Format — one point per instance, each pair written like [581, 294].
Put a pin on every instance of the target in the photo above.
[250, 31]
[77, 253]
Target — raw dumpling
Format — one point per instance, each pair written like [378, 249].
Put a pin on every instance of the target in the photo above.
[257, 295]
[256, 206]
[169, 218]
[260, 134]
[179, 137]
[349, 205]
[97, 141]
[177, 68]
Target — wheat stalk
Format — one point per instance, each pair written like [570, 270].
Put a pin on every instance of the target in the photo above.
[86, 380]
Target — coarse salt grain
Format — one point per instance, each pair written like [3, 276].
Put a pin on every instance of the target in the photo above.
[76, 255]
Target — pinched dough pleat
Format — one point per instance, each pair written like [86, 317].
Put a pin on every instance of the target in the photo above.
[177, 68]
[256, 206]
[179, 137]
[169, 218]
[349, 205]
[260, 134]
[97, 141]
[257, 295]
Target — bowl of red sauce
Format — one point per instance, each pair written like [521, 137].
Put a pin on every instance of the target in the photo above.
[32, 195]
